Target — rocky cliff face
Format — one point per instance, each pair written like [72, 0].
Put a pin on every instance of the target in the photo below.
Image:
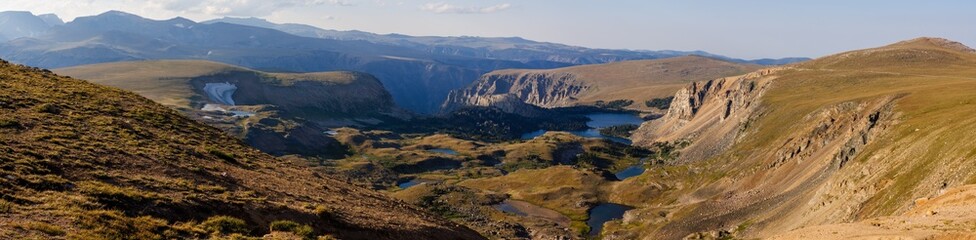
[708, 114]
[520, 93]
[633, 81]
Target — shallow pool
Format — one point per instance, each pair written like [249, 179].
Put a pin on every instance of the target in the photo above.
[603, 213]
[444, 151]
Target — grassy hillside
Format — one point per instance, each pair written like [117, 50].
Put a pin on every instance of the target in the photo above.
[852, 136]
[81, 161]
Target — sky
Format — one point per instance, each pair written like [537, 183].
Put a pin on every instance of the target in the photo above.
[743, 29]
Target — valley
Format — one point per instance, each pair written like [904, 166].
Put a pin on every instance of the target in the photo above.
[118, 126]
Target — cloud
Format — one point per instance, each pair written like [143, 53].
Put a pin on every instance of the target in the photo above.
[239, 7]
[442, 7]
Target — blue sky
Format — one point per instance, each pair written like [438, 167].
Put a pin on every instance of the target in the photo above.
[744, 29]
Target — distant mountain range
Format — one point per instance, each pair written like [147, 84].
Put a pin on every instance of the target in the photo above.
[17, 24]
[419, 72]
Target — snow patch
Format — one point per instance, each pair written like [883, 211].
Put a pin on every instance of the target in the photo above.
[212, 108]
[219, 108]
[222, 93]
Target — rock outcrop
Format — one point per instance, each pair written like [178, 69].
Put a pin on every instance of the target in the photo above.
[519, 93]
[708, 114]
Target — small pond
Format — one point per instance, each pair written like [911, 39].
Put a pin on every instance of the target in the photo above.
[632, 171]
[411, 183]
[603, 213]
[444, 151]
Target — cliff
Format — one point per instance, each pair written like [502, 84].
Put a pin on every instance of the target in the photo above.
[636, 81]
[708, 114]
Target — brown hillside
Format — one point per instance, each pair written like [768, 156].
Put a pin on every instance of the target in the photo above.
[841, 139]
[81, 161]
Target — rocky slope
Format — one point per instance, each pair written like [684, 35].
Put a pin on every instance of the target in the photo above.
[275, 112]
[82, 161]
[837, 140]
[518, 91]
[950, 215]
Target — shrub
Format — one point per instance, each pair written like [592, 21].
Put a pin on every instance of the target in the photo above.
[115, 195]
[224, 225]
[304, 231]
[622, 131]
[111, 224]
[229, 157]
[615, 104]
[6, 207]
[48, 108]
[660, 103]
[9, 123]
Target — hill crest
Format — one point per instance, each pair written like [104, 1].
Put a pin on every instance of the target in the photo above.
[923, 42]
[92, 162]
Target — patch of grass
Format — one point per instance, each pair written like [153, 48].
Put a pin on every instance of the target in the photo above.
[9, 123]
[103, 224]
[48, 108]
[115, 195]
[224, 225]
[302, 230]
[229, 157]
[7, 207]
[46, 228]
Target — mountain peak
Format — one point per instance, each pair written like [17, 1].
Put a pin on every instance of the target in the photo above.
[51, 19]
[117, 13]
[16, 13]
[933, 42]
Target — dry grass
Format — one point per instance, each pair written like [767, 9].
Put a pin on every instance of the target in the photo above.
[561, 188]
[928, 145]
[95, 162]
